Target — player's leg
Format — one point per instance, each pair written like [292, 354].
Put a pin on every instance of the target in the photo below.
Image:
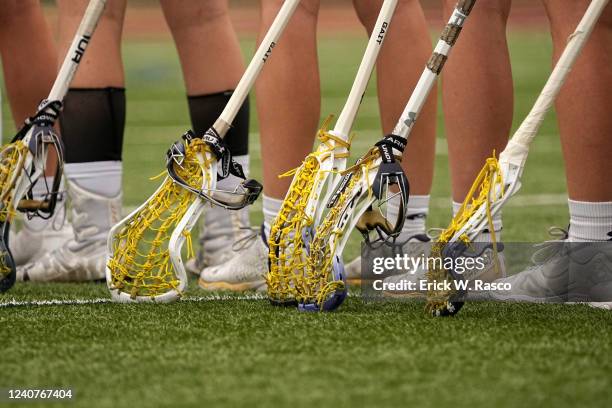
[575, 271]
[288, 105]
[28, 56]
[212, 66]
[585, 123]
[92, 130]
[477, 95]
[29, 65]
[398, 69]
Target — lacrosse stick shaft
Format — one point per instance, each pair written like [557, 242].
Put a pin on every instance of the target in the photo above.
[77, 49]
[349, 112]
[223, 124]
[518, 147]
[433, 68]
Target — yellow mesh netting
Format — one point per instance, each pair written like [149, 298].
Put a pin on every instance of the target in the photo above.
[485, 185]
[140, 263]
[287, 255]
[12, 158]
[318, 280]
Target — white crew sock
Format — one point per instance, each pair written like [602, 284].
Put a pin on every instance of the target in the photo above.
[590, 221]
[485, 236]
[102, 177]
[40, 189]
[416, 214]
[271, 208]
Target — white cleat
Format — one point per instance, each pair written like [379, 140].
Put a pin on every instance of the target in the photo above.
[567, 272]
[220, 229]
[39, 237]
[83, 257]
[415, 246]
[246, 270]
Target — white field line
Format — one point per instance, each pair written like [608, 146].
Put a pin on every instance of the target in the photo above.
[94, 301]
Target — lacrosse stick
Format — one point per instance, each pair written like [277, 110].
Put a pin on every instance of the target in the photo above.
[145, 262]
[501, 179]
[365, 189]
[23, 160]
[301, 209]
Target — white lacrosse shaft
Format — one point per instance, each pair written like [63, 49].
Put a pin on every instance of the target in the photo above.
[517, 149]
[349, 111]
[223, 124]
[347, 116]
[434, 66]
[77, 49]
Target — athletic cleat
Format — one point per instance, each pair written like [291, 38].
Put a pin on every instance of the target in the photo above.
[219, 230]
[567, 272]
[418, 245]
[32, 242]
[82, 258]
[246, 270]
[494, 268]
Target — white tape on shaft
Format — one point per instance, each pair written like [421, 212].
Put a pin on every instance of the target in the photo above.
[518, 147]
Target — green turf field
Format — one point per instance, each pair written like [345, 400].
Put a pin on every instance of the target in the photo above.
[243, 352]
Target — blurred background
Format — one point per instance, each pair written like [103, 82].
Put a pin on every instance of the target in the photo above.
[157, 108]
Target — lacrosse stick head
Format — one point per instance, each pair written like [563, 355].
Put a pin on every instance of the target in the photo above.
[294, 226]
[496, 183]
[145, 262]
[22, 162]
[139, 267]
[357, 202]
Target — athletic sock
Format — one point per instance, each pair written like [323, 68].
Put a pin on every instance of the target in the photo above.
[218, 222]
[99, 177]
[416, 214]
[39, 191]
[92, 126]
[485, 235]
[590, 221]
[271, 208]
[204, 110]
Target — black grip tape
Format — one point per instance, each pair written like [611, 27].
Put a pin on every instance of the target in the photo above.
[465, 6]
[450, 34]
[436, 63]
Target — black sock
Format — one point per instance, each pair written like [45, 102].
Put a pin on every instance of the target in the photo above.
[205, 110]
[92, 124]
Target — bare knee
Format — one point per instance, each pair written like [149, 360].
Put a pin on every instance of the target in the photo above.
[114, 11]
[181, 14]
[367, 11]
[307, 9]
[498, 9]
[17, 9]
[565, 15]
